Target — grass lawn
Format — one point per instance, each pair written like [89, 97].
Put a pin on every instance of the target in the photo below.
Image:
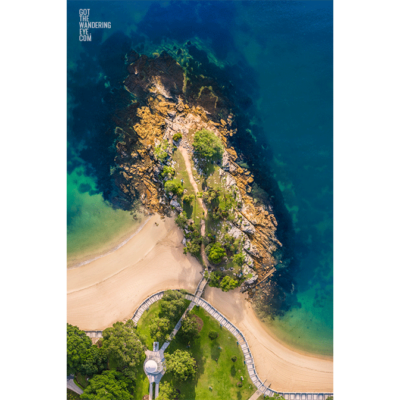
[80, 380]
[72, 395]
[142, 383]
[194, 210]
[215, 367]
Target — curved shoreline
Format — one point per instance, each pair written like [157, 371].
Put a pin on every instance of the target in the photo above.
[119, 245]
[111, 288]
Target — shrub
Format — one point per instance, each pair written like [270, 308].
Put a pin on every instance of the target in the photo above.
[160, 151]
[217, 253]
[234, 358]
[173, 186]
[168, 171]
[208, 145]
[193, 247]
[181, 364]
[188, 198]
[213, 335]
[177, 136]
[239, 259]
[228, 283]
[181, 219]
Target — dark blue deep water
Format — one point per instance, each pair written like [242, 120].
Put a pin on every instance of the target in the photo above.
[286, 51]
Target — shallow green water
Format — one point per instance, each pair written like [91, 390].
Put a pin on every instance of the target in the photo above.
[288, 49]
[93, 227]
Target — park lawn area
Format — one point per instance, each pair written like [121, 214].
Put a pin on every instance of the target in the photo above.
[143, 326]
[71, 395]
[141, 385]
[214, 365]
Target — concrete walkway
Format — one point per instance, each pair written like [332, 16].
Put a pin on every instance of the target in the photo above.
[72, 385]
[256, 395]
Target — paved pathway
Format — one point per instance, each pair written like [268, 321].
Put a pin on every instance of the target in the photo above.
[72, 385]
[256, 395]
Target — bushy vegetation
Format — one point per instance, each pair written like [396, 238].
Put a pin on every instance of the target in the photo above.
[123, 347]
[194, 238]
[188, 198]
[160, 328]
[174, 186]
[181, 220]
[181, 365]
[77, 346]
[213, 335]
[94, 361]
[161, 151]
[189, 329]
[228, 283]
[225, 283]
[172, 306]
[110, 385]
[231, 243]
[167, 392]
[208, 145]
[72, 395]
[239, 259]
[216, 253]
[177, 136]
[168, 172]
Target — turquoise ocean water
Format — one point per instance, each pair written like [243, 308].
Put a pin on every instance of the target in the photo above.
[286, 49]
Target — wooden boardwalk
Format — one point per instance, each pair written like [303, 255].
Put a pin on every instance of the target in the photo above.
[261, 388]
[196, 299]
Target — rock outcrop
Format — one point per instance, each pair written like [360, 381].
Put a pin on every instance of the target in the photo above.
[164, 105]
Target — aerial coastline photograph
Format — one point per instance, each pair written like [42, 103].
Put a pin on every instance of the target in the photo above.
[199, 199]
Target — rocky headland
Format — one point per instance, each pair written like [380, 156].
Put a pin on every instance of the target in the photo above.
[168, 100]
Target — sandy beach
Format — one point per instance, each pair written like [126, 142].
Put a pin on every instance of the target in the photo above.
[110, 289]
[282, 367]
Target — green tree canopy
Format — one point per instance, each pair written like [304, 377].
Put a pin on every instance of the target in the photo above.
[181, 219]
[168, 171]
[189, 328]
[181, 364]
[123, 347]
[173, 186]
[167, 392]
[217, 253]
[228, 283]
[161, 149]
[160, 328]
[239, 259]
[172, 305]
[110, 385]
[207, 144]
[77, 345]
[94, 361]
[177, 136]
[193, 247]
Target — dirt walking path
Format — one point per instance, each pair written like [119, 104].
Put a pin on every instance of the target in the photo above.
[196, 190]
